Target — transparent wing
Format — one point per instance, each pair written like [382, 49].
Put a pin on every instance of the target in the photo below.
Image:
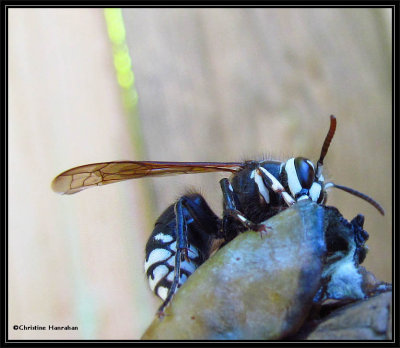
[96, 174]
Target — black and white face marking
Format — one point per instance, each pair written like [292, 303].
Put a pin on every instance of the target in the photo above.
[301, 179]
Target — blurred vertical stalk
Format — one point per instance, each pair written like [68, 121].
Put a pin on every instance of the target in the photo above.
[126, 80]
[125, 76]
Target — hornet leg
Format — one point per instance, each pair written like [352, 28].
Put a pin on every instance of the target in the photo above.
[195, 227]
[231, 211]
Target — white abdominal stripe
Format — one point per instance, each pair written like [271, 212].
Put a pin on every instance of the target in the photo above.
[160, 265]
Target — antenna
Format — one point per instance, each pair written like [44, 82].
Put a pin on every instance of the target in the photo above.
[325, 146]
[358, 194]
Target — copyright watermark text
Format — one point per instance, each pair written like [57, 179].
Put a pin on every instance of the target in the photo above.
[44, 328]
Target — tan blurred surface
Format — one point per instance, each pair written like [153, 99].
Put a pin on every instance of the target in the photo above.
[214, 85]
[74, 260]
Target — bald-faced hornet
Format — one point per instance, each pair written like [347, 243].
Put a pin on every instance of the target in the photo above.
[183, 235]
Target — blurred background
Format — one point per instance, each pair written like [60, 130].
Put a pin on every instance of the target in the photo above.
[95, 85]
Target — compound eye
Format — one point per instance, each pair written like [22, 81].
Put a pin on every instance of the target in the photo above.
[305, 171]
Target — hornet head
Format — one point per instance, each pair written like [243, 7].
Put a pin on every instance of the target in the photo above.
[306, 182]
